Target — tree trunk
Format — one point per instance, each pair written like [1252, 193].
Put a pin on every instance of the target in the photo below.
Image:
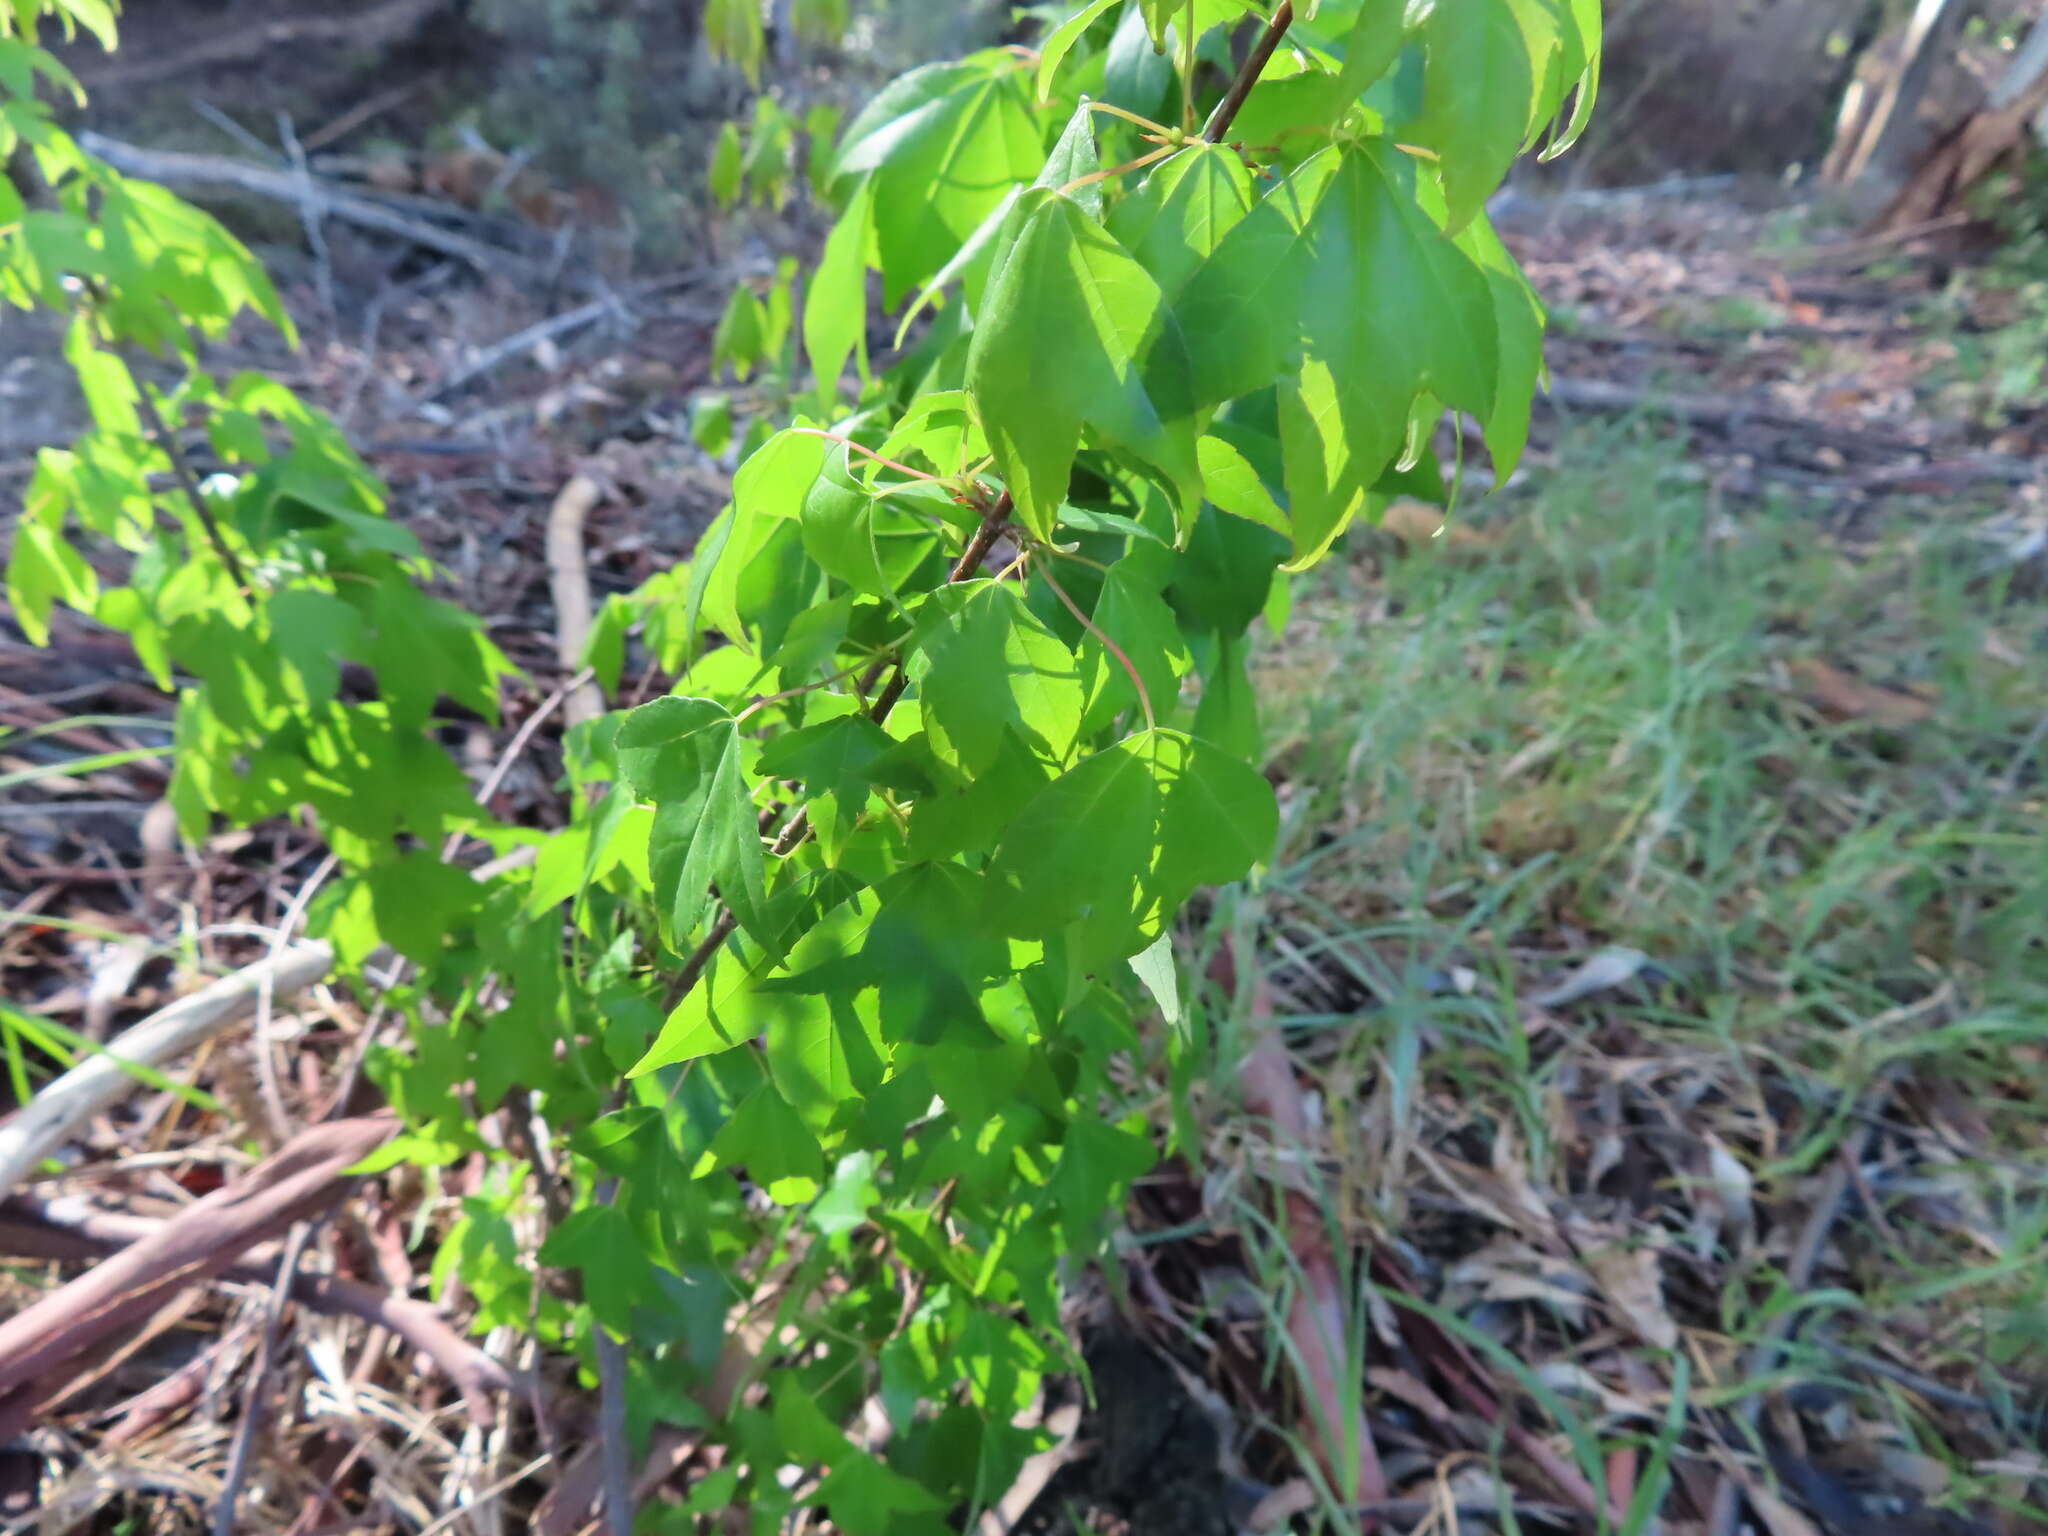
[1975, 146]
[1893, 98]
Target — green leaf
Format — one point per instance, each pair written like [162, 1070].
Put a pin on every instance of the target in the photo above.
[1060, 41]
[1391, 309]
[713, 1016]
[1479, 83]
[1075, 333]
[821, 123]
[313, 632]
[1155, 967]
[867, 541]
[770, 1140]
[849, 1198]
[711, 423]
[1074, 158]
[740, 340]
[600, 1241]
[943, 145]
[96, 16]
[43, 570]
[1180, 213]
[423, 650]
[604, 651]
[1586, 14]
[1136, 71]
[836, 308]
[822, 22]
[867, 1498]
[985, 663]
[726, 162]
[767, 164]
[1241, 309]
[109, 388]
[823, 1053]
[1518, 321]
[1218, 818]
[835, 757]
[1097, 1164]
[416, 900]
[685, 756]
[1229, 712]
[1077, 849]
[777, 476]
[969, 816]
[732, 31]
[1088, 520]
[1232, 484]
[1164, 18]
[1220, 581]
[1133, 616]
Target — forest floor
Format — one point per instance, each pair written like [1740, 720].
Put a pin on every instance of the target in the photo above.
[1660, 931]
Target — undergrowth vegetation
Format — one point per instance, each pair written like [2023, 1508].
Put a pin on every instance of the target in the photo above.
[1621, 869]
[1786, 788]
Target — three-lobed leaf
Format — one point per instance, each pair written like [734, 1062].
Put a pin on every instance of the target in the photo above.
[1075, 333]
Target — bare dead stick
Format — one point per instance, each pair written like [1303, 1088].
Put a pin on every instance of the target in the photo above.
[305, 1176]
[50, 1118]
[68, 1231]
[569, 580]
[176, 167]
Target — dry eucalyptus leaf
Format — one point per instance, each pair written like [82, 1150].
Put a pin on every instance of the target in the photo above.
[1842, 697]
[1610, 968]
[1633, 1285]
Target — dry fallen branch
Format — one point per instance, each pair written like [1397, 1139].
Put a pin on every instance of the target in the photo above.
[526, 339]
[306, 1176]
[1720, 412]
[55, 1112]
[178, 168]
[569, 582]
[70, 1231]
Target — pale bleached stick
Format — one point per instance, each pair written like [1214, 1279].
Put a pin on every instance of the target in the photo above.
[49, 1119]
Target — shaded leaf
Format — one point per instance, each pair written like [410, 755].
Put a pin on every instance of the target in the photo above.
[986, 663]
[1075, 333]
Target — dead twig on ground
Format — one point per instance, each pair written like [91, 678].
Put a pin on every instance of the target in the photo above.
[1316, 1323]
[176, 167]
[259, 1381]
[498, 353]
[1722, 413]
[64, 1104]
[304, 1178]
[569, 582]
[67, 1230]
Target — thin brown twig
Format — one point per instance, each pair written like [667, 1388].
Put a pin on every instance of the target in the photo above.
[181, 467]
[1254, 65]
[259, 1033]
[259, 1380]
